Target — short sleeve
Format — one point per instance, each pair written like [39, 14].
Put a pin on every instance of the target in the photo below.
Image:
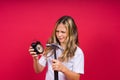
[78, 65]
[42, 61]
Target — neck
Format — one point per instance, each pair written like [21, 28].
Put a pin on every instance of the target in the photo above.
[63, 45]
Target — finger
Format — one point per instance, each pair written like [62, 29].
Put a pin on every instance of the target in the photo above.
[30, 47]
[53, 64]
[41, 54]
[54, 60]
[33, 53]
[31, 50]
[55, 68]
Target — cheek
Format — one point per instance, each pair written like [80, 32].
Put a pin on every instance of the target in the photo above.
[56, 34]
[65, 35]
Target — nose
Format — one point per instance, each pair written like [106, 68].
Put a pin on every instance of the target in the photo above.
[59, 34]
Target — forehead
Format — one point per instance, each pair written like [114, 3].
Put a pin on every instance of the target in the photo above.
[61, 26]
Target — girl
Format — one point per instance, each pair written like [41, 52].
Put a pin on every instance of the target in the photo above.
[70, 60]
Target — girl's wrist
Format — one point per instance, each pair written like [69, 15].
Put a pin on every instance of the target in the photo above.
[35, 58]
[64, 69]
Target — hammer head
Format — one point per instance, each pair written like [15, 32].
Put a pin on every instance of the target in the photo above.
[54, 45]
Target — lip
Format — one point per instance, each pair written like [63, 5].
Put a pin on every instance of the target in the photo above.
[60, 38]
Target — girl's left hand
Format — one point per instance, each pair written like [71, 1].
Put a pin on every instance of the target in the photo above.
[57, 65]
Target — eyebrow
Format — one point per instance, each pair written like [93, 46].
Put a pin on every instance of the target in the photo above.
[61, 30]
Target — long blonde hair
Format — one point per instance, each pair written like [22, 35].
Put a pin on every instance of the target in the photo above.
[72, 42]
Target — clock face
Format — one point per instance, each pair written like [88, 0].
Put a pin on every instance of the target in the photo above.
[39, 48]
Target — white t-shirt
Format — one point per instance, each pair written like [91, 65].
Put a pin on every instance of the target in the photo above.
[76, 64]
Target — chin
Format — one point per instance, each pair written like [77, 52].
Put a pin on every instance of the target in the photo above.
[61, 41]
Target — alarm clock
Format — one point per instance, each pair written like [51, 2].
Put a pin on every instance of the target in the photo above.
[37, 46]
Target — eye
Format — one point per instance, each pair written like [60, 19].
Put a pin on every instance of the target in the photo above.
[62, 31]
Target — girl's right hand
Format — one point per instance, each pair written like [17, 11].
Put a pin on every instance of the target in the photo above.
[32, 53]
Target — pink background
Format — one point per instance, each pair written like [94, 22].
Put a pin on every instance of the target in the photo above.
[98, 23]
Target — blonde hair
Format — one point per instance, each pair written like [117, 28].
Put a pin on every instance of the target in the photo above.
[72, 42]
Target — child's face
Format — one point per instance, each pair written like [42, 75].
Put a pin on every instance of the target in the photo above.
[61, 33]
